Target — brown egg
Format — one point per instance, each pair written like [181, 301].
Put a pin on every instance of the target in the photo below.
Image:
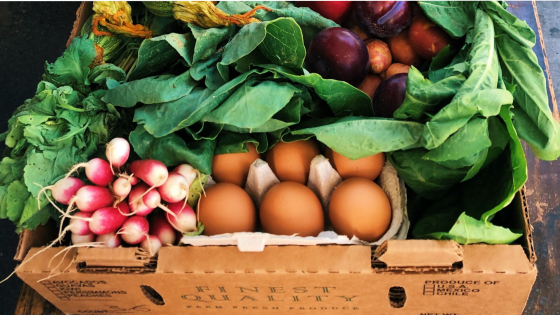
[226, 208]
[359, 207]
[291, 208]
[291, 161]
[233, 167]
[367, 167]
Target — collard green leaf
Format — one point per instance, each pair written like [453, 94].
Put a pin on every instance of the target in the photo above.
[251, 105]
[172, 150]
[468, 230]
[423, 96]
[164, 118]
[495, 186]
[517, 29]
[208, 39]
[441, 69]
[429, 179]
[342, 98]
[533, 119]
[72, 68]
[455, 17]
[455, 115]
[462, 148]
[361, 137]
[161, 52]
[152, 90]
[483, 58]
[499, 137]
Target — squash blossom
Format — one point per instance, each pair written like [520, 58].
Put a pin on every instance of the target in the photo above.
[116, 17]
[206, 15]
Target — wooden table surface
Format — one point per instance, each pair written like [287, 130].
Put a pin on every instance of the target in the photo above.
[542, 196]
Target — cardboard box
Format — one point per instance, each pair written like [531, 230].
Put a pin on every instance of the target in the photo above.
[418, 277]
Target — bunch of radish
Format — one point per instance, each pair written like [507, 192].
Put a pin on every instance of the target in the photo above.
[113, 209]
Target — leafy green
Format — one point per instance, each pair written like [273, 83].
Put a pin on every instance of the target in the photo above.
[72, 68]
[151, 90]
[48, 134]
[455, 17]
[369, 136]
[15, 199]
[463, 147]
[172, 150]
[208, 69]
[233, 142]
[280, 41]
[423, 97]
[533, 119]
[208, 39]
[161, 52]
[309, 21]
[283, 44]
[427, 178]
[342, 98]
[164, 118]
[251, 105]
[517, 29]
[468, 230]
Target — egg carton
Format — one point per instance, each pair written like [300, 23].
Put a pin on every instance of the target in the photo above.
[323, 178]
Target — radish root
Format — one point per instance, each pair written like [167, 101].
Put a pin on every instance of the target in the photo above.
[75, 169]
[35, 255]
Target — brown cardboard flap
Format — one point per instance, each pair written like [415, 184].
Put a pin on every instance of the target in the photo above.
[419, 253]
[496, 259]
[220, 259]
[36, 238]
[113, 257]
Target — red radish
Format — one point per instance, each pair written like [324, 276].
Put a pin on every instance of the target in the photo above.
[188, 171]
[133, 179]
[152, 244]
[184, 220]
[162, 229]
[117, 152]
[152, 172]
[122, 186]
[175, 188]
[136, 202]
[111, 239]
[134, 230]
[79, 224]
[108, 219]
[98, 171]
[80, 239]
[63, 190]
[90, 198]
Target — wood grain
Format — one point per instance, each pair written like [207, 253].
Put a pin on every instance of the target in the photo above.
[542, 196]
